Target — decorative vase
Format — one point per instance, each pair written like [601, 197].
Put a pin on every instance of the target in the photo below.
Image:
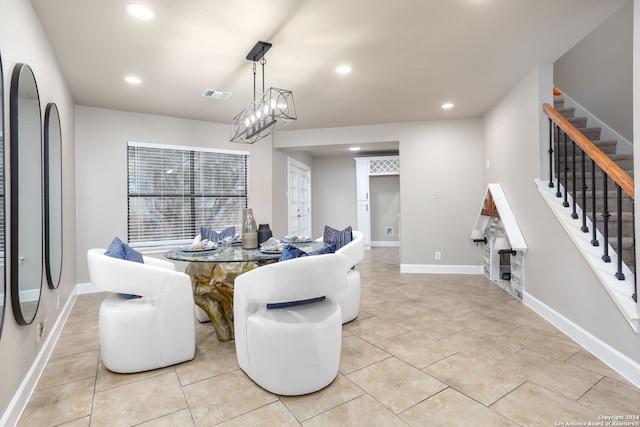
[249, 230]
[264, 233]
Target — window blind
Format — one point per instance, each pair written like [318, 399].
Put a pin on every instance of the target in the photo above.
[174, 190]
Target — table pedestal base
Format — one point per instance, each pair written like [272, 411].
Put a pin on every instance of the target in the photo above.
[213, 291]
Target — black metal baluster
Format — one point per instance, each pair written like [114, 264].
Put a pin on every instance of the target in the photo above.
[566, 172]
[605, 216]
[594, 238]
[584, 228]
[619, 273]
[574, 193]
[551, 125]
[558, 173]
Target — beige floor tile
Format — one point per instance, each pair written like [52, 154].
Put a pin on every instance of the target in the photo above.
[273, 414]
[180, 418]
[416, 349]
[485, 323]
[452, 408]
[613, 398]
[138, 402]
[553, 374]
[66, 369]
[225, 397]
[80, 325]
[555, 346]
[481, 346]
[374, 330]
[209, 361]
[57, 405]
[533, 406]
[586, 360]
[431, 327]
[478, 379]
[361, 412]
[357, 353]
[341, 390]
[76, 343]
[80, 422]
[396, 384]
[393, 311]
[105, 379]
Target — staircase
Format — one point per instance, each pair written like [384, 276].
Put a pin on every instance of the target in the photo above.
[625, 161]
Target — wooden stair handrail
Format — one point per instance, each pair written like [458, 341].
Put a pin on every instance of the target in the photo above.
[609, 167]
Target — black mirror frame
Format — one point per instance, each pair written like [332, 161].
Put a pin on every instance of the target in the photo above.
[51, 111]
[3, 276]
[14, 258]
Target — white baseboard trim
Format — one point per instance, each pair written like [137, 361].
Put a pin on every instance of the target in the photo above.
[391, 243]
[27, 387]
[625, 366]
[441, 269]
[86, 288]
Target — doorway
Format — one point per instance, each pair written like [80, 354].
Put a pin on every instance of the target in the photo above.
[299, 198]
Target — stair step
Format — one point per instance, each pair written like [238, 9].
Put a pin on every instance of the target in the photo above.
[606, 146]
[558, 102]
[593, 133]
[579, 122]
[566, 112]
[625, 161]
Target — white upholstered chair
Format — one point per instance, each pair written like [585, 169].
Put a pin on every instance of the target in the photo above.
[293, 350]
[150, 332]
[349, 299]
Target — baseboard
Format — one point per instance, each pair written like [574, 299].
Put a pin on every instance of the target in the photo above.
[620, 363]
[30, 381]
[86, 288]
[441, 269]
[390, 243]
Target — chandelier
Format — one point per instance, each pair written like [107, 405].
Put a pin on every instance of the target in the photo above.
[273, 110]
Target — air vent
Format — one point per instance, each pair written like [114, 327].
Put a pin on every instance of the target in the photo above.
[216, 94]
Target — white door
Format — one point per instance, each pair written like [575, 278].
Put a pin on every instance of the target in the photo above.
[299, 198]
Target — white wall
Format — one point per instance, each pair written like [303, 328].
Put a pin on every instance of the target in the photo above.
[101, 154]
[385, 207]
[597, 73]
[555, 273]
[22, 40]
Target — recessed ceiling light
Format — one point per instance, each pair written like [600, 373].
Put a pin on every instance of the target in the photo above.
[447, 106]
[139, 11]
[343, 69]
[133, 80]
[354, 148]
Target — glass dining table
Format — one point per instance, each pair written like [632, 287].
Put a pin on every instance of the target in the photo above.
[213, 273]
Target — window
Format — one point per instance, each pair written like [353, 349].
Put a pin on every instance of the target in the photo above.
[173, 191]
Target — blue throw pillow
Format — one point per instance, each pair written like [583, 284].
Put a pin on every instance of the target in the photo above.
[119, 249]
[339, 237]
[212, 235]
[291, 252]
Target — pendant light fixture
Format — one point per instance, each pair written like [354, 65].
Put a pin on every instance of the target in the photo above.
[273, 110]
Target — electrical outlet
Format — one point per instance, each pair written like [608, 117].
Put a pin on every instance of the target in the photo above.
[388, 231]
[40, 328]
[58, 302]
[438, 256]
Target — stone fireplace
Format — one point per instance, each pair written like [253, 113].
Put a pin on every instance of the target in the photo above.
[496, 221]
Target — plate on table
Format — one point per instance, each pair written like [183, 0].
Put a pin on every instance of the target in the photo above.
[271, 251]
[193, 249]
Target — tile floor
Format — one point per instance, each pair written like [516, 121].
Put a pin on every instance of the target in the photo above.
[426, 350]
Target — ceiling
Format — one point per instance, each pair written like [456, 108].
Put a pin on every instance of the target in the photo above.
[408, 56]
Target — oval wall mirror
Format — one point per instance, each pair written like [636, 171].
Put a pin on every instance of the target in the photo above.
[26, 249]
[52, 195]
[3, 286]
